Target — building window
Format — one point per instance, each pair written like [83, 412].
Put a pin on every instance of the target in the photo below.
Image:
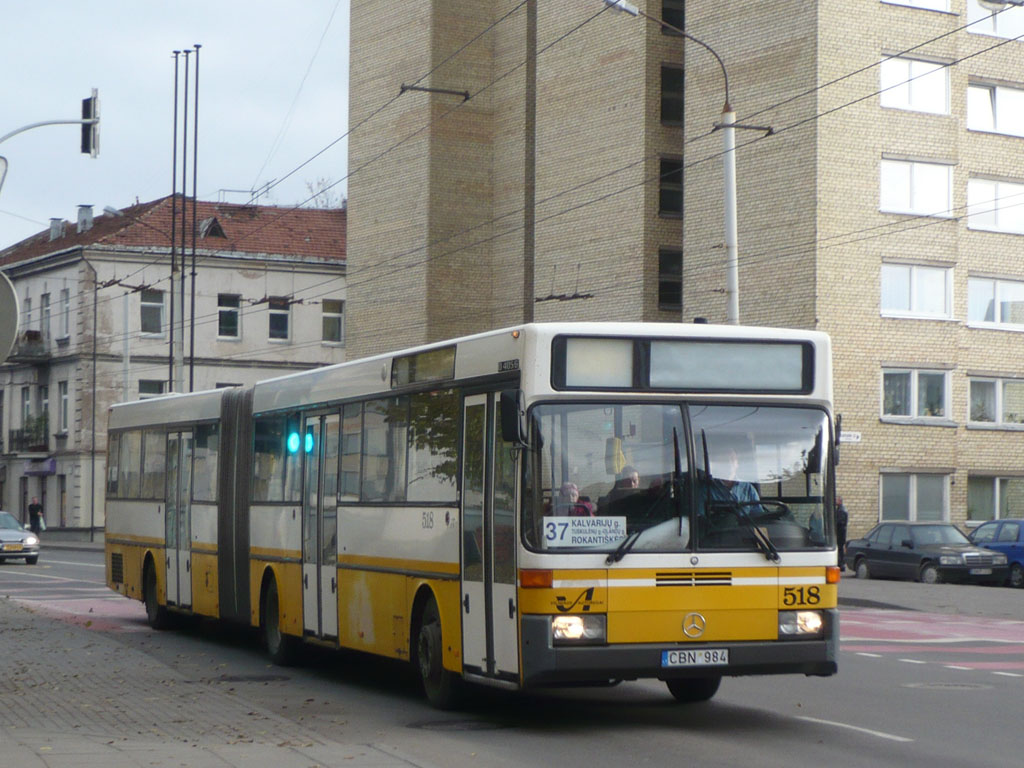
[909, 394]
[670, 201]
[151, 319]
[995, 108]
[910, 290]
[1007, 23]
[26, 406]
[928, 5]
[62, 395]
[915, 187]
[670, 280]
[44, 315]
[65, 313]
[334, 320]
[278, 317]
[673, 12]
[228, 315]
[150, 388]
[994, 498]
[915, 497]
[672, 101]
[28, 313]
[921, 86]
[999, 302]
[997, 401]
[995, 206]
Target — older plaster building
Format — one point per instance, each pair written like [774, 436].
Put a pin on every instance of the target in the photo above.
[95, 329]
[559, 160]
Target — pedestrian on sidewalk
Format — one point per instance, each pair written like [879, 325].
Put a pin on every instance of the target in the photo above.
[35, 516]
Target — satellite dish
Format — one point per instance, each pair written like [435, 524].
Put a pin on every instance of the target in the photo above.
[8, 316]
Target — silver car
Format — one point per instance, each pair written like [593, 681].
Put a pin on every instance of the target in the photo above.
[16, 541]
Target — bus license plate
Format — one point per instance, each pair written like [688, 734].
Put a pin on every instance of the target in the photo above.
[707, 657]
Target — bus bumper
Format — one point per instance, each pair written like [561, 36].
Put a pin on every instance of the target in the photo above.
[545, 664]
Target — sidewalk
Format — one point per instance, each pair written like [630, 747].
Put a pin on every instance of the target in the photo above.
[77, 698]
[76, 539]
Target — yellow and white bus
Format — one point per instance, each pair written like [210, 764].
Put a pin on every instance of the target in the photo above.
[545, 505]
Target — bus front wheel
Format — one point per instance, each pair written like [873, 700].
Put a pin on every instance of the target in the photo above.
[690, 690]
[440, 685]
[280, 647]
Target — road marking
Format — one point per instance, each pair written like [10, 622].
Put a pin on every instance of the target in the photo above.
[36, 575]
[870, 655]
[67, 562]
[954, 666]
[859, 729]
[1008, 674]
[913, 661]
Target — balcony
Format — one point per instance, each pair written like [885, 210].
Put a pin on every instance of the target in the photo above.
[30, 347]
[32, 438]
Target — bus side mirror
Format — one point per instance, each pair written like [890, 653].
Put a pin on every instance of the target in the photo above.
[513, 416]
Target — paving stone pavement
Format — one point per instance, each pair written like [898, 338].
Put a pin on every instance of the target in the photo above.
[75, 698]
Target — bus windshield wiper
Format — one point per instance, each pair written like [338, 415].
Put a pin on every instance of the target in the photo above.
[761, 538]
[624, 547]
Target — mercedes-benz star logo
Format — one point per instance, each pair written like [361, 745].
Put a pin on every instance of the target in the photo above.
[694, 625]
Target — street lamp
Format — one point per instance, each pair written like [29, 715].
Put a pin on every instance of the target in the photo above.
[728, 126]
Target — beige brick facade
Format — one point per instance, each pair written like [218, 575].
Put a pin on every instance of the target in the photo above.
[551, 169]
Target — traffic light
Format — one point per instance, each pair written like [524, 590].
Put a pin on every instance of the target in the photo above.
[91, 130]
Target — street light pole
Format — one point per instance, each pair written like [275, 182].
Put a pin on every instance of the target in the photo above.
[728, 128]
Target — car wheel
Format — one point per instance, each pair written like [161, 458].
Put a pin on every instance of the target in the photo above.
[930, 574]
[1017, 575]
[442, 687]
[862, 569]
[32, 560]
[690, 690]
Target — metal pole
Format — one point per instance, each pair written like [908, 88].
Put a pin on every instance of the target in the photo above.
[179, 346]
[732, 281]
[92, 451]
[174, 218]
[195, 203]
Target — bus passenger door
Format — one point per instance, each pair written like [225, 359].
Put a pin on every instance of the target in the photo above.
[178, 518]
[489, 611]
[319, 526]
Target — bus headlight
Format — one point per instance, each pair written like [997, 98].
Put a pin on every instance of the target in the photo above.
[578, 629]
[800, 623]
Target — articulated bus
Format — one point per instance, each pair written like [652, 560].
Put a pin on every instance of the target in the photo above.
[547, 505]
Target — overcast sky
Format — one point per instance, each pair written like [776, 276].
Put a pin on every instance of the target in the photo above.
[273, 91]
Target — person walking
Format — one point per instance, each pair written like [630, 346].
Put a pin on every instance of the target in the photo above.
[35, 516]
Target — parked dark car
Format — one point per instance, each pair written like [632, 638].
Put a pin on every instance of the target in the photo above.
[928, 552]
[1006, 536]
[16, 542]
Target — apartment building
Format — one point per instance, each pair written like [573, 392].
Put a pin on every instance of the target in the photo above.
[517, 161]
[95, 328]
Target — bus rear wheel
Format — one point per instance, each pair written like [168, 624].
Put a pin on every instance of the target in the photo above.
[441, 686]
[281, 648]
[690, 690]
[156, 614]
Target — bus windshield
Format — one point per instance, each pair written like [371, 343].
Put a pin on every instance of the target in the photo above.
[661, 477]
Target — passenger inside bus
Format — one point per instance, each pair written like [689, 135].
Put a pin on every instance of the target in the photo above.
[571, 504]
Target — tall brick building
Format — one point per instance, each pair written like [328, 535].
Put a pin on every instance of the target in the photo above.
[582, 178]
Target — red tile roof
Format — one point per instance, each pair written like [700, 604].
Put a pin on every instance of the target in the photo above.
[256, 229]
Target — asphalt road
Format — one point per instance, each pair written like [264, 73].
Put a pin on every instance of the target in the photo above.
[929, 675]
